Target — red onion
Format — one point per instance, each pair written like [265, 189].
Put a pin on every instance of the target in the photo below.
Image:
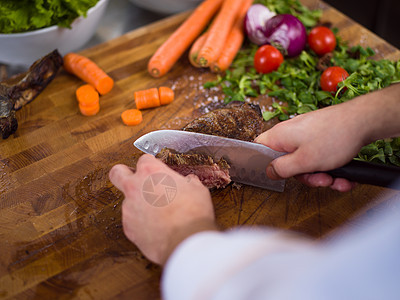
[286, 33]
[254, 23]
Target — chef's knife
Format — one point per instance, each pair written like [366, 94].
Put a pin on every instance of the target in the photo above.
[249, 160]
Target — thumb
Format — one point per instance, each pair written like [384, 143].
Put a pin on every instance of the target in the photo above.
[286, 166]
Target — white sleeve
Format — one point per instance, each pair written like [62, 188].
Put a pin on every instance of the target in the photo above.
[268, 264]
[205, 262]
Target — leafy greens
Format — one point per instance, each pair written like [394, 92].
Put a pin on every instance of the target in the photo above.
[26, 15]
[296, 82]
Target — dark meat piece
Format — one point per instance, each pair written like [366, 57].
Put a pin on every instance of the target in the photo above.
[237, 120]
[210, 173]
[20, 90]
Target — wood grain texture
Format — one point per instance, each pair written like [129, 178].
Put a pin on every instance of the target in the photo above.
[60, 219]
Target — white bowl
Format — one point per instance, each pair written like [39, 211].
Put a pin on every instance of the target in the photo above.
[26, 47]
[166, 6]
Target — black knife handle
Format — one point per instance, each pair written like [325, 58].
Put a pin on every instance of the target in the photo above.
[369, 173]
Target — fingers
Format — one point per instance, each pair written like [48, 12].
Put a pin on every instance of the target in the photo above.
[126, 180]
[316, 180]
[342, 185]
[325, 180]
[290, 165]
[284, 166]
[148, 163]
[193, 178]
[121, 176]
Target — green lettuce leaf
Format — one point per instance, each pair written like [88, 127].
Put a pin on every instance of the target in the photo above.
[26, 15]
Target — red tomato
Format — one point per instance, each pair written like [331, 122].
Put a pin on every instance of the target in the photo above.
[331, 77]
[267, 59]
[321, 40]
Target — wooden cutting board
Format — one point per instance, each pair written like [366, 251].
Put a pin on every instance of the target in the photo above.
[60, 218]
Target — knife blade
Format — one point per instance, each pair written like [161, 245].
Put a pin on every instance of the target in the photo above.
[248, 161]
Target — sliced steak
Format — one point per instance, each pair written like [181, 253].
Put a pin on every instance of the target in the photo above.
[237, 120]
[211, 174]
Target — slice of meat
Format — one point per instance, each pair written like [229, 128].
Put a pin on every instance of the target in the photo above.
[22, 89]
[211, 174]
[237, 120]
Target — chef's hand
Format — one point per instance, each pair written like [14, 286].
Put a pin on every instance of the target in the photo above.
[317, 141]
[183, 208]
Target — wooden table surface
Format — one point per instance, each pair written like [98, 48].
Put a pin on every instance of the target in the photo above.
[60, 218]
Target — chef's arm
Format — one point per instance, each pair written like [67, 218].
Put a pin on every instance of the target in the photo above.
[204, 263]
[381, 110]
[356, 263]
[156, 226]
[329, 138]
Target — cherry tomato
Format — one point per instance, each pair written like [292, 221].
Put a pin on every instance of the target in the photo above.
[321, 40]
[267, 59]
[331, 77]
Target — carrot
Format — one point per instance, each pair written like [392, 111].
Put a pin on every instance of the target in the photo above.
[218, 32]
[132, 117]
[172, 49]
[194, 50]
[233, 42]
[89, 110]
[147, 98]
[88, 99]
[166, 95]
[87, 95]
[88, 71]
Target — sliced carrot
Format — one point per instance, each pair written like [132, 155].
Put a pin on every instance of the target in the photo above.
[218, 32]
[166, 95]
[132, 117]
[194, 50]
[88, 71]
[173, 48]
[233, 42]
[89, 110]
[87, 95]
[147, 98]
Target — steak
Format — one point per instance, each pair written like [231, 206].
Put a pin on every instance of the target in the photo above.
[22, 89]
[211, 174]
[237, 120]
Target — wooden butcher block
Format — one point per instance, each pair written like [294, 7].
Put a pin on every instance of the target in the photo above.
[60, 217]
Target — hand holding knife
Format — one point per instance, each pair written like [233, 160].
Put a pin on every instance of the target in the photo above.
[249, 160]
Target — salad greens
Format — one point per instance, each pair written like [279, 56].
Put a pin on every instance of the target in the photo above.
[26, 15]
[308, 17]
[296, 83]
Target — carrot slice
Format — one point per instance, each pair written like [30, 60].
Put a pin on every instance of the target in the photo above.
[87, 95]
[218, 32]
[132, 117]
[166, 95]
[172, 49]
[89, 110]
[88, 71]
[147, 98]
[194, 50]
[233, 42]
